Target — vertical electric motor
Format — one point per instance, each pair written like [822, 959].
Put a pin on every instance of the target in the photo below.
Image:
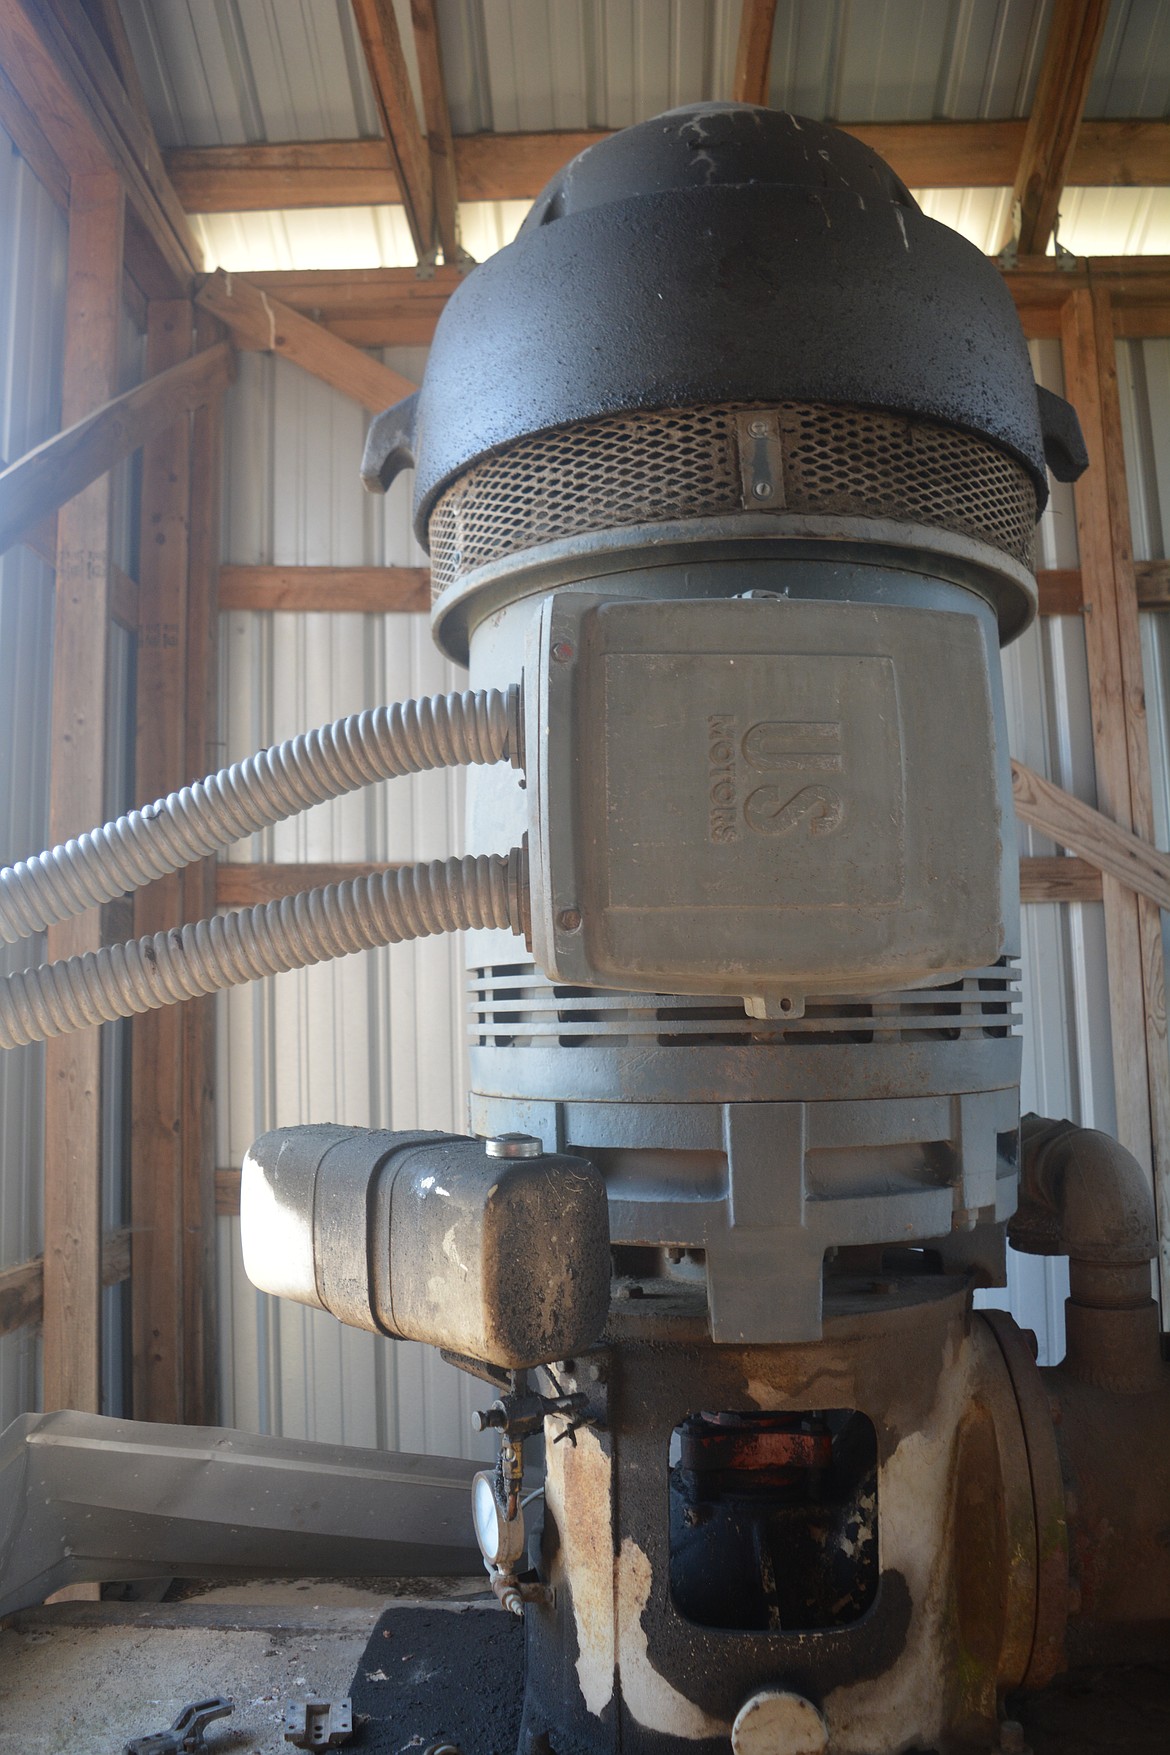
[731, 464]
[735, 458]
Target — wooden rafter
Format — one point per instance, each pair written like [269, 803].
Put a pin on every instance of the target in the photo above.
[49, 476]
[28, 137]
[22, 1288]
[73, 1076]
[344, 590]
[1066, 71]
[56, 62]
[1073, 824]
[753, 55]
[515, 167]
[244, 885]
[1133, 928]
[156, 1038]
[391, 590]
[197, 1055]
[106, 19]
[382, 45]
[385, 307]
[437, 116]
[263, 324]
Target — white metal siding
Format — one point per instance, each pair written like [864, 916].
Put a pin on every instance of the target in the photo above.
[1068, 1068]
[374, 1040]
[32, 282]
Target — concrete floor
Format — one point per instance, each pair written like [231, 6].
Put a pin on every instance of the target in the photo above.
[83, 1678]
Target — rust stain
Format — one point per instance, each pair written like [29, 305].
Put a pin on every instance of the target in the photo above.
[577, 1494]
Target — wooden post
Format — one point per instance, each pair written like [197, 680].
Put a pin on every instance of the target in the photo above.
[156, 1183]
[72, 1273]
[197, 1133]
[1137, 997]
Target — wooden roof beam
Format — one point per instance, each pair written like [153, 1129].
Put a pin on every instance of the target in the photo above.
[515, 167]
[437, 116]
[1066, 71]
[409, 153]
[753, 56]
[265, 325]
[47, 477]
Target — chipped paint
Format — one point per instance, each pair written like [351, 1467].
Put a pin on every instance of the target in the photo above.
[577, 1495]
[654, 1703]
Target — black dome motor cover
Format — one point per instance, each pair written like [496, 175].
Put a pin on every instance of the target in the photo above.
[722, 253]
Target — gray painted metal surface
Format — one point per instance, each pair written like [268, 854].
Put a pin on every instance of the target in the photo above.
[83, 1497]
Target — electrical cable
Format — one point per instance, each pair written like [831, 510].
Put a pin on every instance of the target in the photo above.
[488, 890]
[409, 737]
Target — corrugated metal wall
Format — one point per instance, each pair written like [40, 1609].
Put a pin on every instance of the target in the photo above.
[374, 1040]
[1067, 1069]
[1143, 375]
[32, 300]
[32, 287]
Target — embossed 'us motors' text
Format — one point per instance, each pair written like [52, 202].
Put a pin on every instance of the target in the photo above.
[799, 748]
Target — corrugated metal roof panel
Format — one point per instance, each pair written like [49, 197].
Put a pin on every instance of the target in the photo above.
[1132, 75]
[251, 70]
[907, 60]
[255, 70]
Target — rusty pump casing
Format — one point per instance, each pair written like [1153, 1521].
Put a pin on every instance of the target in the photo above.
[732, 462]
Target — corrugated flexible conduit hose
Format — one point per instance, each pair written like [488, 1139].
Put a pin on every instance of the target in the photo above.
[488, 890]
[440, 731]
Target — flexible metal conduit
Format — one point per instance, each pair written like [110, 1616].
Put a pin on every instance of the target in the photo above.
[441, 731]
[490, 890]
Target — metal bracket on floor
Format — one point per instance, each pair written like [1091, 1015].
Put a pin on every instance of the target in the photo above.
[318, 1724]
[185, 1735]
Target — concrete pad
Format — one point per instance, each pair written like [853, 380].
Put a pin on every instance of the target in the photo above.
[83, 1678]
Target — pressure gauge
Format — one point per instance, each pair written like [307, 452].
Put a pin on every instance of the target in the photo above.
[501, 1542]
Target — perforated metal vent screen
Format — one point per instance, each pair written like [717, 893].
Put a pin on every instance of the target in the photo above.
[684, 463]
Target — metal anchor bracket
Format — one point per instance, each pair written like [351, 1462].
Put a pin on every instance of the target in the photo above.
[185, 1735]
[318, 1724]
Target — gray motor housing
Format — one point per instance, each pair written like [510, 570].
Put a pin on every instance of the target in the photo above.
[766, 797]
[426, 1237]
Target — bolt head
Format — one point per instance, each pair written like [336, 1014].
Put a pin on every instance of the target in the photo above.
[763, 490]
[562, 651]
[514, 1145]
[569, 919]
[758, 429]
